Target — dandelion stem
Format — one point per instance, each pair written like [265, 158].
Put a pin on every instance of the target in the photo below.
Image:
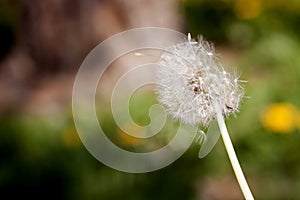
[233, 158]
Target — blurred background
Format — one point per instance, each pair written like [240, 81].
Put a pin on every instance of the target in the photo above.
[42, 44]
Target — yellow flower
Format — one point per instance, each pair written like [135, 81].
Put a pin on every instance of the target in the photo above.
[247, 9]
[70, 138]
[298, 120]
[127, 139]
[280, 118]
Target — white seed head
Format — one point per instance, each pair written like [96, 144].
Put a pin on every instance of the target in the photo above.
[191, 83]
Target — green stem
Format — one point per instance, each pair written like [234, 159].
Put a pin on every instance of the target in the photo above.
[233, 158]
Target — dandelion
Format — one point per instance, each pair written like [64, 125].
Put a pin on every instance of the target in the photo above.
[195, 89]
[191, 82]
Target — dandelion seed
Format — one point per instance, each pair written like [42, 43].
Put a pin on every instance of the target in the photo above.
[190, 78]
[195, 89]
[138, 54]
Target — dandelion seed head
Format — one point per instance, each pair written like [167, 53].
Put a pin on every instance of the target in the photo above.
[191, 81]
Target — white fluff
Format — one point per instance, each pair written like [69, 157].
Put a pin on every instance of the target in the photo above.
[190, 82]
